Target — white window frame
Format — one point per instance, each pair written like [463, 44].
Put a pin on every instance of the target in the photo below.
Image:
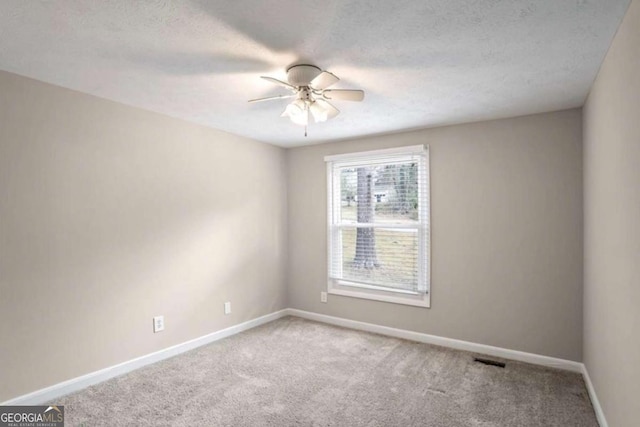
[334, 246]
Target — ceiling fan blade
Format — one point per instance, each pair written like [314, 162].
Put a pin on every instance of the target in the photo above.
[331, 110]
[269, 98]
[344, 94]
[279, 82]
[323, 81]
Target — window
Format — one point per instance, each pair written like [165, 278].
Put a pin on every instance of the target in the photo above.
[378, 225]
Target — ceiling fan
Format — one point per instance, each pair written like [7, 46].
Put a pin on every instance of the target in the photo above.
[308, 85]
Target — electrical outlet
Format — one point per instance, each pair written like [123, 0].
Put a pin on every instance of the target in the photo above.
[323, 297]
[227, 307]
[158, 324]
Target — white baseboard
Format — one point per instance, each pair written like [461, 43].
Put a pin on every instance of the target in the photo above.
[521, 356]
[58, 390]
[594, 398]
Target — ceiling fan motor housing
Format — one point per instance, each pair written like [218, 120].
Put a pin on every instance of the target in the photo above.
[301, 75]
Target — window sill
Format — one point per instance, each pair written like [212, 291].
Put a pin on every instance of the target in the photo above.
[337, 287]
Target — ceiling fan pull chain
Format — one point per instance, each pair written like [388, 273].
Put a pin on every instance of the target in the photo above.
[305, 131]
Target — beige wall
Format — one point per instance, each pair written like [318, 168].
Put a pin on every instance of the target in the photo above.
[506, 201]
[612, 227]
[110, 215]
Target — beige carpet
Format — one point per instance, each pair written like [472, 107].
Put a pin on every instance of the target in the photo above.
[295, 372]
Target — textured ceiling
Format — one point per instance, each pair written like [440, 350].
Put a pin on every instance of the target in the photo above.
[422, 63]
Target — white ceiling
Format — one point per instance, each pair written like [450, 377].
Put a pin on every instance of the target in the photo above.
[422, 63]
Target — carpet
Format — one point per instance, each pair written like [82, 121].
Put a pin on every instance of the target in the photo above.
[295, 372]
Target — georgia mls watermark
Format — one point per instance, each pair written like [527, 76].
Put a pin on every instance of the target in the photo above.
[32, 416]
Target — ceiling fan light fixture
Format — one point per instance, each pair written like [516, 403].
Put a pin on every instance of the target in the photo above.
[319, 113]
[291, 110]
[329, 110]
[301, 119]
[298, 112]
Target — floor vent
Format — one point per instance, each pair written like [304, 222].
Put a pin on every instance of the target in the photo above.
[489, 362]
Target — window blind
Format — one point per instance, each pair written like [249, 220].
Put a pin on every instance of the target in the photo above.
[379, 219]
